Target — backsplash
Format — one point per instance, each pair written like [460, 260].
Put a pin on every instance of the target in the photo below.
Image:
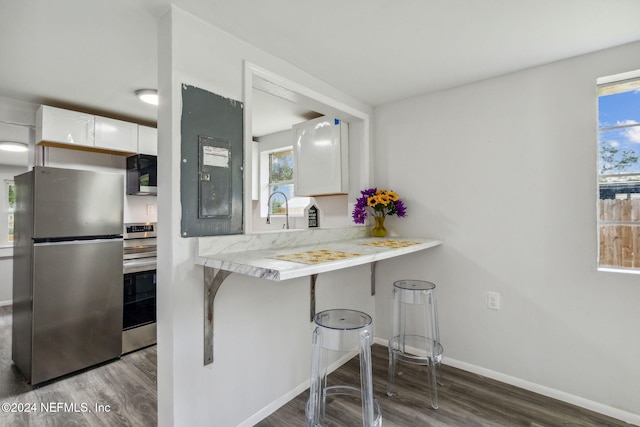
[140, 209]
[277, 239]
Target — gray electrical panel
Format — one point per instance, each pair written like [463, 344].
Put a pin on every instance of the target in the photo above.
[211, 173]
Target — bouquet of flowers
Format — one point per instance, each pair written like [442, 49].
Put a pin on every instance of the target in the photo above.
[379, 202]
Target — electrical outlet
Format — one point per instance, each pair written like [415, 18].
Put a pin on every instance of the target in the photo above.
[493, 300]
[151, 209]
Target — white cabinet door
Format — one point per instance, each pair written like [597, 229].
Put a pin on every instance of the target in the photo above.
[116, 135]
[147, 140]
[58, 126]
[321, 163]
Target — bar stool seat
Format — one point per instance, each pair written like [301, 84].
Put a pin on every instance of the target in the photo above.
[341, 330]
[415, 337]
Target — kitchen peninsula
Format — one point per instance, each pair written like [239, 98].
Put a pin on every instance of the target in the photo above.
[290, 254]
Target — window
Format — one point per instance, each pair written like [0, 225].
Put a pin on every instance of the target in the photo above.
[619, 174]
[280, 166]
[280, 179]
[9, 204]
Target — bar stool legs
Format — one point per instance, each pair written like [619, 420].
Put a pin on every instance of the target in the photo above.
[317, 397]
[341, 330]
[415, 337]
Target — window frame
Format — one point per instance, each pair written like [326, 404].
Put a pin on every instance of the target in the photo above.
[8, 211]
[266, 185]
[274, 185]
[614, 229]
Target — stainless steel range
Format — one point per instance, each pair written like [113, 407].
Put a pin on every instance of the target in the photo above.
[139, 266]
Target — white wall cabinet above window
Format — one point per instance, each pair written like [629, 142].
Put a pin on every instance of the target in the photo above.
[117, 135]
[58, 126]
[147, 140]
[321, 157]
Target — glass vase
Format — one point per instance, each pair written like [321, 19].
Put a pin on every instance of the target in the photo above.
[379, 230]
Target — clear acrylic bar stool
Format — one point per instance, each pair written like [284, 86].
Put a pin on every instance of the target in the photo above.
[415, 337]
[341, 330]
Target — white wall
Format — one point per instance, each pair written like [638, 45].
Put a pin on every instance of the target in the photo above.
[262, 333]
[11, 112]
[504, 172]
[6, 280]
[6, 247]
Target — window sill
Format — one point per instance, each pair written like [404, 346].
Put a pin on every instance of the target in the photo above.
[283, 216]
[6, 252]
[619, 270]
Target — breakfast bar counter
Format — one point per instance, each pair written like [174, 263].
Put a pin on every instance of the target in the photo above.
[290, 254]
[299, 261]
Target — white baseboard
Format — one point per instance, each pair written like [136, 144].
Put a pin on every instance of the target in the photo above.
[282, 400]
[274, 406]
[3, 303]
[380, 341]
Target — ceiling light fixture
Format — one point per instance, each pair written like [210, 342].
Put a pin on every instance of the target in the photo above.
[16, 147]
[150, 96]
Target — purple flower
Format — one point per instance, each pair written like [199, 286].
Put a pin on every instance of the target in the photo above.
[359, 214]
[368, 193]
[362, 201]
[401, 210]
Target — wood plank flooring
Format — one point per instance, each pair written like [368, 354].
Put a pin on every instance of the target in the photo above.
[129, 387]
[118, 393]
[465, 399]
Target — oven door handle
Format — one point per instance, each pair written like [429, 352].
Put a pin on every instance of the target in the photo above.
[138, 267]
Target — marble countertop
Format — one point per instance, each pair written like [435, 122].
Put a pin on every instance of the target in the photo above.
[260, 262]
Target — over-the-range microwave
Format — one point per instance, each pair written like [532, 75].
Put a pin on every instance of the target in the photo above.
[142, 175]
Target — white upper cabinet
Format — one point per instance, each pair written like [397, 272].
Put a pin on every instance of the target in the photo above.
[116, 135]
[321, 157]
[147, 140]
[59, 126]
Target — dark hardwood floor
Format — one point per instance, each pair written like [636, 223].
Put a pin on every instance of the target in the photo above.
[118, 393]
[129, 387]
[465, 399]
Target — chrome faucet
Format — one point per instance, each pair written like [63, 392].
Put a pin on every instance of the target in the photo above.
[286, 208]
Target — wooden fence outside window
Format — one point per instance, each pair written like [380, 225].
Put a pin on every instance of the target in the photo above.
[619, 228]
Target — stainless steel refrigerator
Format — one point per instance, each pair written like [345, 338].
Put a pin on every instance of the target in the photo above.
[67, 271]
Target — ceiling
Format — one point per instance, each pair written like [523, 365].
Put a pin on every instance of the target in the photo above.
[93, 55]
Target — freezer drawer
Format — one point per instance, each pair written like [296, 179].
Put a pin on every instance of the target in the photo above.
[77, 306]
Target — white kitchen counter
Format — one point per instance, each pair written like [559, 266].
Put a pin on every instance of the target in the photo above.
[255, 255]
[260, 263]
